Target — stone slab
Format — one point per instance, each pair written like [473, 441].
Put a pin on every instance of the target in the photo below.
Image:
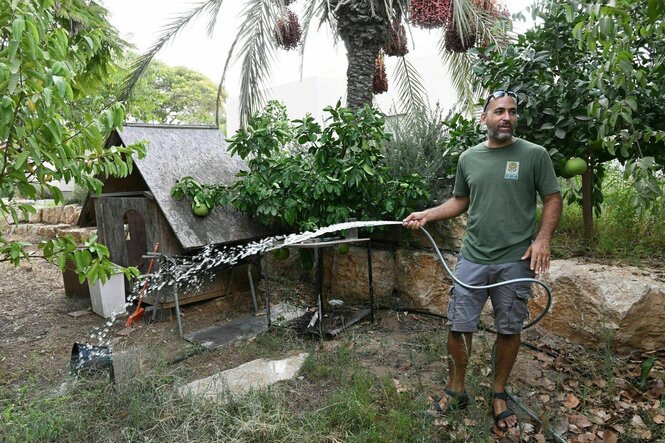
[252, 375]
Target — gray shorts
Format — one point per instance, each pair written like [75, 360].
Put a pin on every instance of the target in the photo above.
[509, 302]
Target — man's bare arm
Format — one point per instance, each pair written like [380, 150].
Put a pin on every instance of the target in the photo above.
[539, 251]
[448, 209]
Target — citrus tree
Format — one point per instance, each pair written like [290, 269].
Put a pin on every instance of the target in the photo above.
[302, 176]
[590, 80]
[54, 60]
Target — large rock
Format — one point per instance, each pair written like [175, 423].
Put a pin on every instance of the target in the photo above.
[592, 300]
[349, 280]
[421, 281]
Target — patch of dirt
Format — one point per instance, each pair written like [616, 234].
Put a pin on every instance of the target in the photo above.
[560, 381]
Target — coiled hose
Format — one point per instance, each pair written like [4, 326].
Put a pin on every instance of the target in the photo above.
[494, 285]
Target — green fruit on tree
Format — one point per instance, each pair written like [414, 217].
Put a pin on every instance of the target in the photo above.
[343, 249]
[200, 209]
[574, 166]
[281, 253]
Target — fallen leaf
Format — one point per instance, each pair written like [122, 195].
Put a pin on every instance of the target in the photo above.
[620, 429]
[637, 421]
[561, 426]
[571, 402]
[646, 435]
[600, 383]
[544, 398]
[548, 384]
[528, 428]
[609, 437]
[580, 421]
[599, 416]
[540, 438]
[658, 419]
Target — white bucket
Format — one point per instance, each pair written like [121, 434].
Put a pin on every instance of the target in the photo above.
[108, 298]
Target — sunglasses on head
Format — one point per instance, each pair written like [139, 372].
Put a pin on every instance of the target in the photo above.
[501, 93]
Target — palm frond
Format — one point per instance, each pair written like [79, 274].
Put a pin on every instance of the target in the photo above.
[470, 22]
[258, 51]
[220, 87]
[410, 89]
[168, 33]
[458, 65]
[213, 13]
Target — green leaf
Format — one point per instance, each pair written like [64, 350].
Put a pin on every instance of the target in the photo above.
[18, 26]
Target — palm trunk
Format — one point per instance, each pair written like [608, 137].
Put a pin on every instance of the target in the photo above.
[360, 73]
[364, 26]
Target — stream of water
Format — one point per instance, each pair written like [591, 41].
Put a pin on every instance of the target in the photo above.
[192, 272]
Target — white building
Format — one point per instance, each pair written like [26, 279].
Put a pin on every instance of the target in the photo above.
[312, 94]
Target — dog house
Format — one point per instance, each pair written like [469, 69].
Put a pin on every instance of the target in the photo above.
[135, 212]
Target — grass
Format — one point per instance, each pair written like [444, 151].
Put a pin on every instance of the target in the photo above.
[338, 397]
[622, 232]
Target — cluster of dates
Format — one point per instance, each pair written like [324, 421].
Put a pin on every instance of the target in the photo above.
[288, 31]
[380, 82]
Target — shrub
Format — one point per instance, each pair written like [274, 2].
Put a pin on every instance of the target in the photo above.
[430, 145]
[304, 176]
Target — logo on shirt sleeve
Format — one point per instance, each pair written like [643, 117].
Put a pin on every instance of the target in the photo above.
[512, 170]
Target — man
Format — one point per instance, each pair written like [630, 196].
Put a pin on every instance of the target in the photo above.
[496, 183]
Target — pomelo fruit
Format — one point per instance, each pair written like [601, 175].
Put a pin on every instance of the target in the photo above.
[574, 166]
[200, 209]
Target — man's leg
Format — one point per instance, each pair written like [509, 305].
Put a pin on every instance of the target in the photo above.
[510, 310]
[459, 351]
[464, 308]
[507, 347]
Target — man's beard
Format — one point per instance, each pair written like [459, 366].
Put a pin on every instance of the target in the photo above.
[497, 134]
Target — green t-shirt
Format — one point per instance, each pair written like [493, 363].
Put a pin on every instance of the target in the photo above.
[501, 184]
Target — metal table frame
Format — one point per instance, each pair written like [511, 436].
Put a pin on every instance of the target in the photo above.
[318, 246]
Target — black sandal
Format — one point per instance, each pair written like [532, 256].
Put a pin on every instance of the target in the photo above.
[502, 415]
[459, 402]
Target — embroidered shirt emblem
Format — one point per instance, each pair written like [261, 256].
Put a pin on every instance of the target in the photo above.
[512, 170]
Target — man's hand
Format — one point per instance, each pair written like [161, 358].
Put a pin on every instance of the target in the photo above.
[416, 220]
[539, 251]
[448, 209]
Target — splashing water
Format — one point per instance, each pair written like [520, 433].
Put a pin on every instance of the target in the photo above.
[192, 272]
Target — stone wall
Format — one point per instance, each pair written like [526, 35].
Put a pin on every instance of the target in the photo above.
[48, 223]
[591, 302]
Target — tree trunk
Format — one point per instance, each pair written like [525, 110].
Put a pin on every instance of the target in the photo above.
[587, 201]
[364, 26]
[360, 73]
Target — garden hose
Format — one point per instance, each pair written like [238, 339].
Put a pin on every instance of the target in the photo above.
[494, 285]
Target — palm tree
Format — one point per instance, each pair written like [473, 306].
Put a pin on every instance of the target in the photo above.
[363, 25]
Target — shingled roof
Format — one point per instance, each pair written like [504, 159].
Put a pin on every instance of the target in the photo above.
[200, 152]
